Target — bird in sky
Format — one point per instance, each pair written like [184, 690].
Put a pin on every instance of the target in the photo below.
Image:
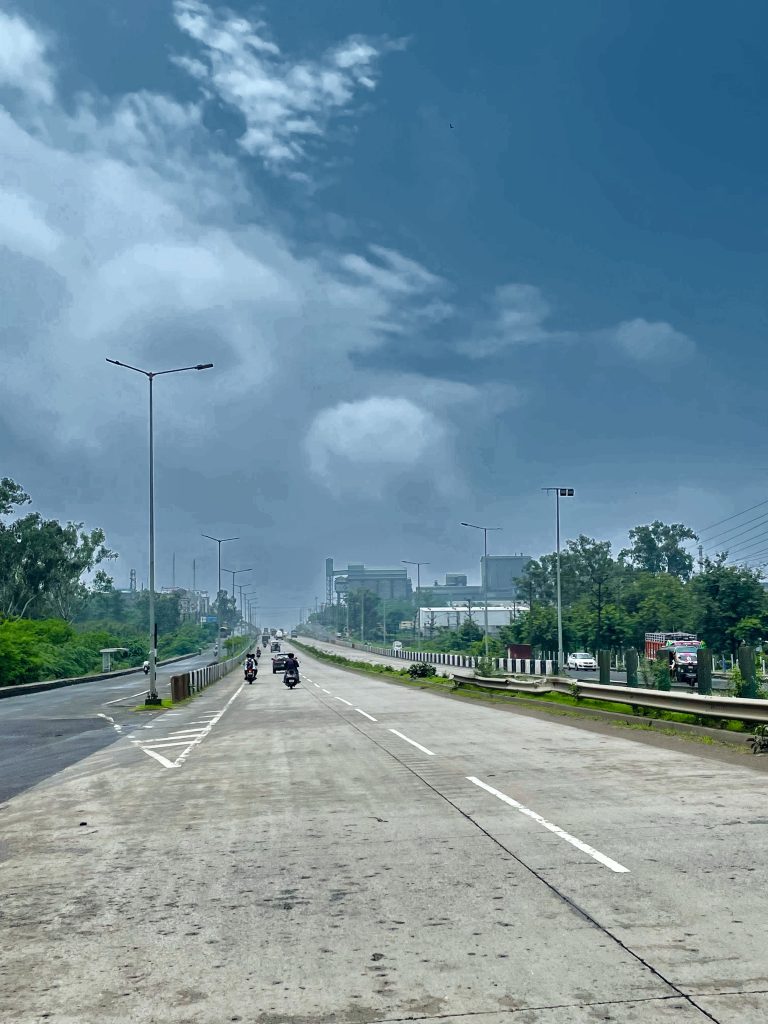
[452, 125]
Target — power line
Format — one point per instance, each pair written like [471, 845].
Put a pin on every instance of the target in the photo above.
[734, 516]
[760, 520]
[760, 539]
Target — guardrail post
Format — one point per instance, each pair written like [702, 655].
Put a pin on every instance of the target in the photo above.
[604, 664]
[748, 673]
[631, 661]
[703, 671]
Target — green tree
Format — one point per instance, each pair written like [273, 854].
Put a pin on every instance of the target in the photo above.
[657, 601]
[726, 595]
[659, 548]
[594, 571]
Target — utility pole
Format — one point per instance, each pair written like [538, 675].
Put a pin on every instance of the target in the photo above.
[564, 492]
[417, 622]
[485, 530]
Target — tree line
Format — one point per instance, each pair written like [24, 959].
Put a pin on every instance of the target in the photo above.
[654, 584]
[59, 606]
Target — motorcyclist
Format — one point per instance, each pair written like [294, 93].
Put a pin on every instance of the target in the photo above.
[250, 664]
[258, 653]
[291, 666]
[145, 667]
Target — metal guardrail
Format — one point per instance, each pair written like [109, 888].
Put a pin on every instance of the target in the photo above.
[19, 689]
[185, 684]
[737, 709]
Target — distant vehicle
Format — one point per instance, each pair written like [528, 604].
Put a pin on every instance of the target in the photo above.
[338, 636]
[274, 646]
[396, 645]
[264, 639]
[655, 641]
[294, 634]
[278, 662]
[279, 634]
[582, 660]
[682, 661]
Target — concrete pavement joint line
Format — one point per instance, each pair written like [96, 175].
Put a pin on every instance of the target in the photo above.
[590, 850]
[413, 742]
[678, 992]
[528, 1010]
[365, 713]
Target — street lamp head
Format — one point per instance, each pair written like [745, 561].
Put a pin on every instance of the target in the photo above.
[204, 366]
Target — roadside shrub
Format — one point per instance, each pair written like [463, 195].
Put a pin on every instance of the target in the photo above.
[420, 670]
[485, 667]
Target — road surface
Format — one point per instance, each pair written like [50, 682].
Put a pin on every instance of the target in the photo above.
[41, 733]
[355, 851]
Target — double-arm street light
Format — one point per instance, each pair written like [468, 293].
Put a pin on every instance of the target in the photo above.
[560, 492]
[486, 530]
[233, 573]
[219, 541]
[417, 624]
[152, 697]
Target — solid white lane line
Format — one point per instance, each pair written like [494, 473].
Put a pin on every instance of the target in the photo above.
[159, 757]
[413, 742]
[112, 722]
[164, 743]
[365, 713]
[185, 753]
[584, 847]
[343, 701]
[127, 696]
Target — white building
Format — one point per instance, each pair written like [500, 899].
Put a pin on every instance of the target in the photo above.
[454, 615]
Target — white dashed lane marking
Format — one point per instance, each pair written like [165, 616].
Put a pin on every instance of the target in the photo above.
[584, 847]
[413, 742]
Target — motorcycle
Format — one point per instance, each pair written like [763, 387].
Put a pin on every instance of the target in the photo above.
[291, 679]
[258, 653]
[250, 674]
[145, 668]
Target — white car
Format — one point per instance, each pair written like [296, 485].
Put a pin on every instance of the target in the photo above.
[583, 660]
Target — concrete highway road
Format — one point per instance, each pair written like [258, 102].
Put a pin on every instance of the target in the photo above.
[41, 733]
[355, 851]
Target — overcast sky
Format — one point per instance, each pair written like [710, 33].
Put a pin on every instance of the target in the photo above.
[441, 254]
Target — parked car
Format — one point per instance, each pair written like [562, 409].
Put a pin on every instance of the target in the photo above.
[278, 663]
[582, 660]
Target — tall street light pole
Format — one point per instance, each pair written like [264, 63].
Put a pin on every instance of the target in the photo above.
[417, 624]
[486, 530]
[235, 572]
[560, 492]
[152, 697]
[219, 541]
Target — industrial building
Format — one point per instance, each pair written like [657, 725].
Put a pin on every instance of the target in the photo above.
[388, 584]
[453, 616]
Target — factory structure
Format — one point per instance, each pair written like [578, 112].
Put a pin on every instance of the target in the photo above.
[499, 581]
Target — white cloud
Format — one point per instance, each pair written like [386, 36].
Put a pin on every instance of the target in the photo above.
[381, 436]
[647, 341]
[283, 102]
[23, 62]
[518, 317]
[517, 314]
